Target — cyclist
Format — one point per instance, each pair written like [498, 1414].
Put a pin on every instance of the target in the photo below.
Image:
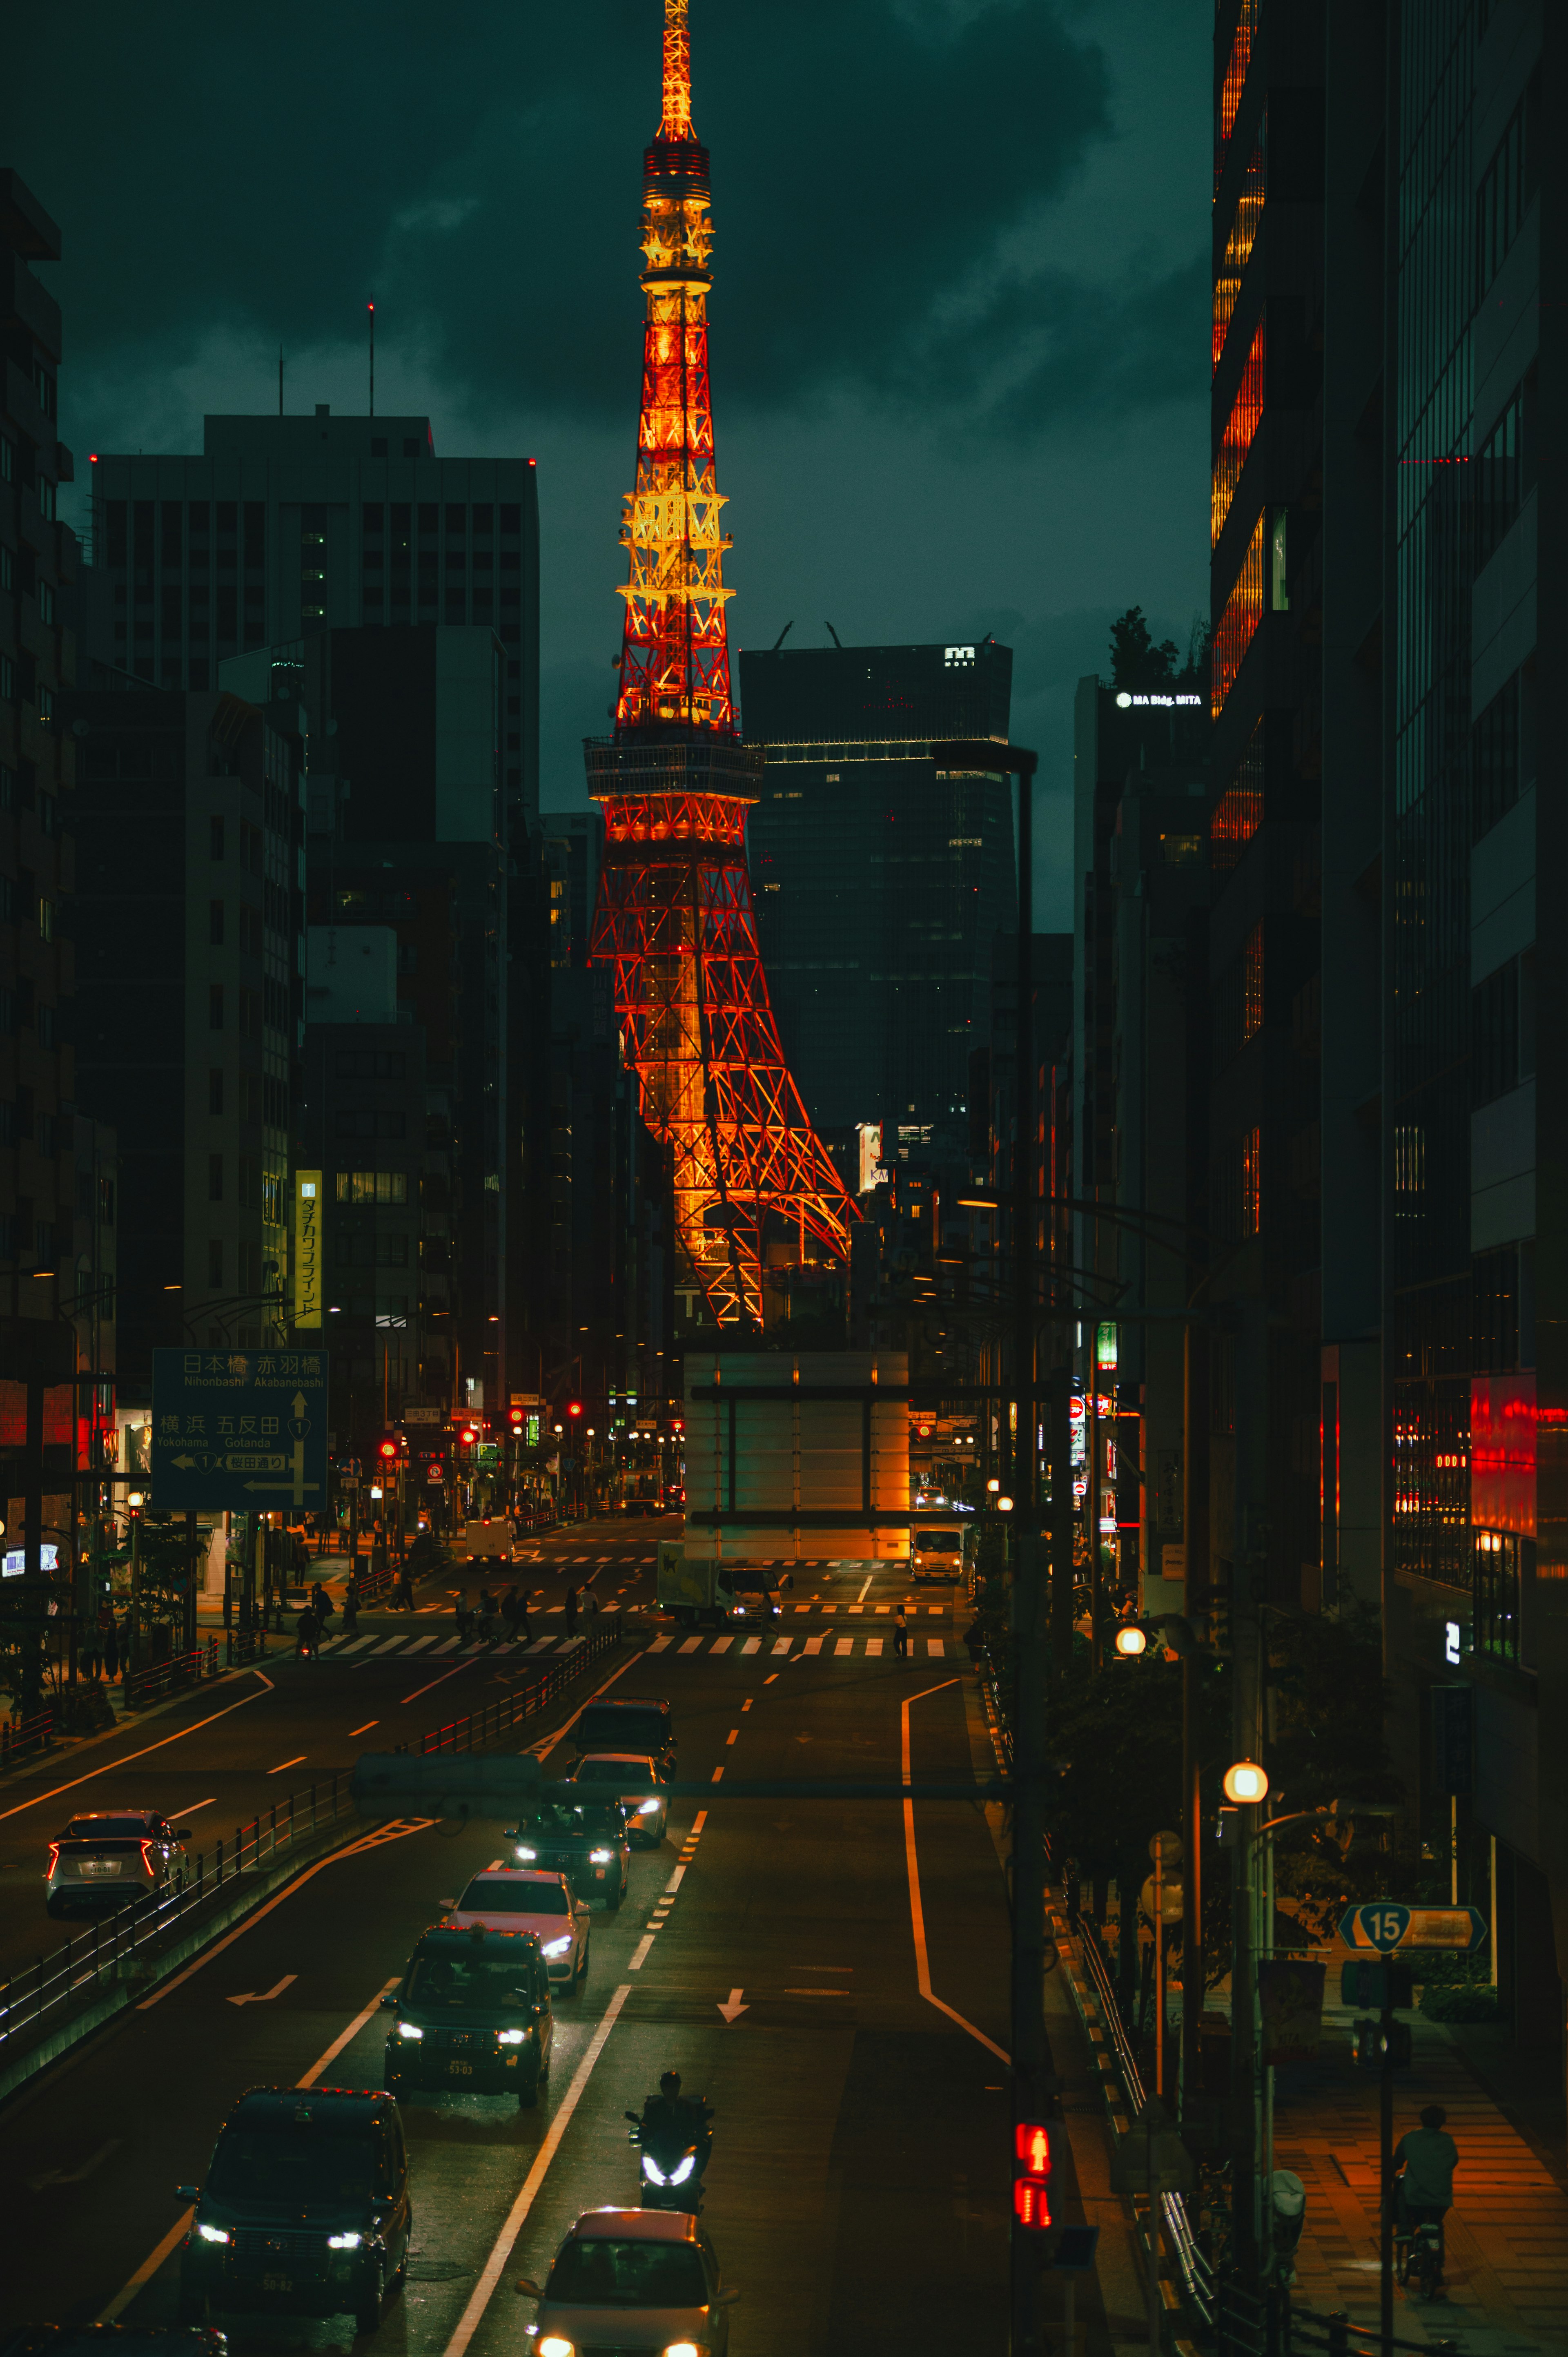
[1428, 2156]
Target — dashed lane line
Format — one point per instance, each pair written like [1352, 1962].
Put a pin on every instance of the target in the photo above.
[124, 1758]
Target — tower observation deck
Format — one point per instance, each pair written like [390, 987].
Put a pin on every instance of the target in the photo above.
[752, 1180]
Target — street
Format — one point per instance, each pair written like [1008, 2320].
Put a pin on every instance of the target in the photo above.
[858, 2190]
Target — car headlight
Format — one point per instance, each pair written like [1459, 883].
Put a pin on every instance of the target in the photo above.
[344, 2242]
[214, 2234]
[647, 1808]
[510, 2037]
[558, 1947]
[684, 2349]
[552, 2345]
[409, 2029]
[527, 1853]
[600, 1856]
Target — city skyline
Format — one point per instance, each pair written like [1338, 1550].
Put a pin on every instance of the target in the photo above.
[1074, 491]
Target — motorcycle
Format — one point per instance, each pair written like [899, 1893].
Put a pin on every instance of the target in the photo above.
[672, 2161]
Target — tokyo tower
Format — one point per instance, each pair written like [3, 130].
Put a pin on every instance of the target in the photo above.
[753, 1183]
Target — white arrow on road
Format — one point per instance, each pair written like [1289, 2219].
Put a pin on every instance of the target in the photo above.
[735, 2007]
[263, 1997]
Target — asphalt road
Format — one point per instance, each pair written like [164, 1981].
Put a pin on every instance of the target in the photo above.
[858, 2191]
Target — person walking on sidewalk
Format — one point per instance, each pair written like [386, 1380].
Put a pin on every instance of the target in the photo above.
[1428, 2156]
[352, 1606]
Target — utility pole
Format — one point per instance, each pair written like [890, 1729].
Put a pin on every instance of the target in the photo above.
[1031, 1623]
[1194, 1564]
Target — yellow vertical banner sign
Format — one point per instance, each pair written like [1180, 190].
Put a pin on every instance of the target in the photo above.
[307, 1248]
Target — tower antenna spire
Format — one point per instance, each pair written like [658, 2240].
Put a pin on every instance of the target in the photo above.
[752, 1182]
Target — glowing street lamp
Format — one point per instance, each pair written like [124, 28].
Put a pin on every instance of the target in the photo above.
[1003, 1505]
[1245, 1780]
[1131, 1642]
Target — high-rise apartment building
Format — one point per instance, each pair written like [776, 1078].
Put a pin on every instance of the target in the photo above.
[879, 879]
[287, 526]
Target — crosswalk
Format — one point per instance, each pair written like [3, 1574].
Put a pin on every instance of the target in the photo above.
[831, 1646]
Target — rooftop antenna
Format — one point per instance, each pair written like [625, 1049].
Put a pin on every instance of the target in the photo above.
[834, 636]
[782, 636]
[372, 308]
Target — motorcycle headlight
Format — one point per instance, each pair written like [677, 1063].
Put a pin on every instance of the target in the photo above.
[510, 2037]
[525, 1853]
[344, 2242]
[647, 1808]
[684, 2349]
[652, 2171]
[558, 1947]
[214, 2234]
[600, 1856]
[409, 2029]
[552, 2345]
[679, 2175]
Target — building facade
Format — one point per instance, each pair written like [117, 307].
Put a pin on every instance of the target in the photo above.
[879, 880]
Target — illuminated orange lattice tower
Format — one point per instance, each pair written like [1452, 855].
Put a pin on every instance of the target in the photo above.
[674, 916]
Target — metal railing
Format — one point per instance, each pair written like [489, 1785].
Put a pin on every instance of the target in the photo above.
[87, 1963]
[1197, 2273]
[20, 1738]
[161, 1678]
[492, 1719]
[1266, 2324]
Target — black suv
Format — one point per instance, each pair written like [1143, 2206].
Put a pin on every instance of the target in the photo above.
[304, 2210]
[585, 1840]
[473, 2016]
[630, 1723]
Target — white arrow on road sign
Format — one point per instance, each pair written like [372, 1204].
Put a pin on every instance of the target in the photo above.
[735, 2007]
[264, 1996]
[185, 1463]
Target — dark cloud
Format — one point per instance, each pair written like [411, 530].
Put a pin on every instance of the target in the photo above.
[476, 168]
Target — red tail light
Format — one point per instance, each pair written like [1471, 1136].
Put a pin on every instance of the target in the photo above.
[147, 1858]
[54, 1857]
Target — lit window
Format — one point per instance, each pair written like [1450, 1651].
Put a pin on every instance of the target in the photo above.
[1240, 428]
[1239, 812]
[1252, 1182]
[1238, 247]
[1410, 1159]
[1243, 612]
[1234, 83]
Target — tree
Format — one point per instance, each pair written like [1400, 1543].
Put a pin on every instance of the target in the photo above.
[1135, 662]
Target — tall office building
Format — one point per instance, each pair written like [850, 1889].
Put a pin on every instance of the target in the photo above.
[880, 880]
[285, 526]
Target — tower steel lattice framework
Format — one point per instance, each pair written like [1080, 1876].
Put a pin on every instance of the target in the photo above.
[674, 920]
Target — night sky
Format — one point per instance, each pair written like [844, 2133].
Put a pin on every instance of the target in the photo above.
[959, 322]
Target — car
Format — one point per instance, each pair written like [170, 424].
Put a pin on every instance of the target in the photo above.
[585, 1840]
[304, 2209]
[531, 1899]
[474, 2017]
[937, 1552]
[647, 2279]
[628, 1723]
[108, 1856]
[629, 1775]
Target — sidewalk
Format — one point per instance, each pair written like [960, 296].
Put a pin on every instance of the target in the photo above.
[1507, 2233]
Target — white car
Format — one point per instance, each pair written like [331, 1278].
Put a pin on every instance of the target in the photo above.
[525, 1899]
[633, 1778]
[647, 2279]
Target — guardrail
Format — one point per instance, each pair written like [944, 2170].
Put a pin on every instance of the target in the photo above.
[1265, 2324]
[21, 1738]
[162, 1678]
[493, 1719]
[80, 1969]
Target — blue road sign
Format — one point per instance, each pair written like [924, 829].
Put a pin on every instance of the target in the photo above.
[241, 1430]
[1383, 1925]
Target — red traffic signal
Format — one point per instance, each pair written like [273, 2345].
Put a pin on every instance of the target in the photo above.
[1031, 2184]
[469, 1435]
[574, 1407]
[388, 1449]
[517, 1415]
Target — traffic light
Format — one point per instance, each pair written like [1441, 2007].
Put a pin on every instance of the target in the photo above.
[388, 1450]
[469, 1435]
[574, 1407]
[517, 1419]
[1031, 2174]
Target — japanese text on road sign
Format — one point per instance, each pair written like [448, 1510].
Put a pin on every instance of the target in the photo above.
[243, 1430]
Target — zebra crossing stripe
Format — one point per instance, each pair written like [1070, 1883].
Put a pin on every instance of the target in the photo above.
[844, 1646]
[659, 1645]
[721, 1645]
[782, 1644]
[752, 1645]
[692, 1645]
[813, 1645]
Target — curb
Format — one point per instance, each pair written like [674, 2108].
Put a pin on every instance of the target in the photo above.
[130, 1988]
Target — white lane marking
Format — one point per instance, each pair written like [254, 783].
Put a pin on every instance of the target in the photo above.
[388, 1645]
[435, 1682]
[418, 1644]
[344, 2036]
[640, 1953]
[265, 1996]
[752, 1645]
[496, 2264]
[76, 2175]
[192, 1807]
[844, 1645]
[674, 1882]
[363, 1730]
[446, 1648]
[869, 1576]
[297, 1761]
[721, 1645]
[542, 1644]
[912, 1870]
[397, 1831]
[883, 1607]
[813, 1644]
[698, 1821]
[936, 1649]
[873, 1645]
[830, 1607]
[124, 1758]
[358, 1644]
[735, 2007]
[718, 1772]
[691, 1645]
[733, 1736]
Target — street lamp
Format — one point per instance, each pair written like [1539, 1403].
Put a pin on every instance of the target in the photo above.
[1003, 1505]
[1245, 1780]
[1131, 1642]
